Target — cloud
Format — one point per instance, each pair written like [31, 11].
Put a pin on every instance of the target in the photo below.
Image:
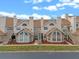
[36, 8]
[7, 14]
[36, 1]
[65, 1]
[76, 6]
[70, 14]
[62, 8]
[64, 15]
[37, 16]
[48, 0]
[76, 1]
[27, 1]
[46, 17]
[69, 1]
[63, 4]
[24, 16]
[72, 3]
[51, 8]
[33, 1]
[59, 5]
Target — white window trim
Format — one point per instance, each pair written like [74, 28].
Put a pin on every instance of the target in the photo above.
[56, 37]
[23, 36]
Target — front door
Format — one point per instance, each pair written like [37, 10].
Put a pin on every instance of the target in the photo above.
[40, 37]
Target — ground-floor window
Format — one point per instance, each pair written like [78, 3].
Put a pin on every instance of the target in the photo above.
[56, 36]
[23, 37]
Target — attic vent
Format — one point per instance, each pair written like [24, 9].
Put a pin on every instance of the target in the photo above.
[51, 24]
[24, 24]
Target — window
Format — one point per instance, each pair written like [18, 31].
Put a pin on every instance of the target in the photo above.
[58, 39]
[9, 28]
[45, 28]
[54, 39]
[25, 33]
[21, 33]
[18, 28]
[76, 25]
[49, 39]
[56, 36]
[21, 39]
[44, 36]
[24, 24]
[54, 33]
[51, 24]
[58, 33]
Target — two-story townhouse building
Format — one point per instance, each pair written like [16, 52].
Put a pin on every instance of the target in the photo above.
[24, 30]
[43, 30]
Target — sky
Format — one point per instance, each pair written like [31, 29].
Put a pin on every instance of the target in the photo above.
[38, 8]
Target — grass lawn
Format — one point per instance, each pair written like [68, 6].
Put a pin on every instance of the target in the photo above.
[39, 48]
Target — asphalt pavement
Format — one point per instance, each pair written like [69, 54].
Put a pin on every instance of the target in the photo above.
[39, 55]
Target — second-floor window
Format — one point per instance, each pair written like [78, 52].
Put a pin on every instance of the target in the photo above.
[51, 24]
[45, 28]
[24, 24]
[9, 28]
[77, 25]
[18, 28]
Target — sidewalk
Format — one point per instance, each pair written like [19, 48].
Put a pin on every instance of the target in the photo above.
[36, 45]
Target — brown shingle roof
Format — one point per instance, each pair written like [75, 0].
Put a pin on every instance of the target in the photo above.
[65, 22]
[19, 22]
[45, 21]
[37, 23]
[9, 21]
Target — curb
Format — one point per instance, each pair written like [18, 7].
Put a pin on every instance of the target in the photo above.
[38, 51]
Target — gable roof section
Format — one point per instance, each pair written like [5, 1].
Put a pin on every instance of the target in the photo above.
[19, 22]
[54, 29]
[26, 30]
[46, 22]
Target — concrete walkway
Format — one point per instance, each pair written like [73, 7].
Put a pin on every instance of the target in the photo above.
[36, 45]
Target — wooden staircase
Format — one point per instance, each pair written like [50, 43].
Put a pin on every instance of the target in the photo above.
[69, 38]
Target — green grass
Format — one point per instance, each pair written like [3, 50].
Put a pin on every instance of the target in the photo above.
[39, 48]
